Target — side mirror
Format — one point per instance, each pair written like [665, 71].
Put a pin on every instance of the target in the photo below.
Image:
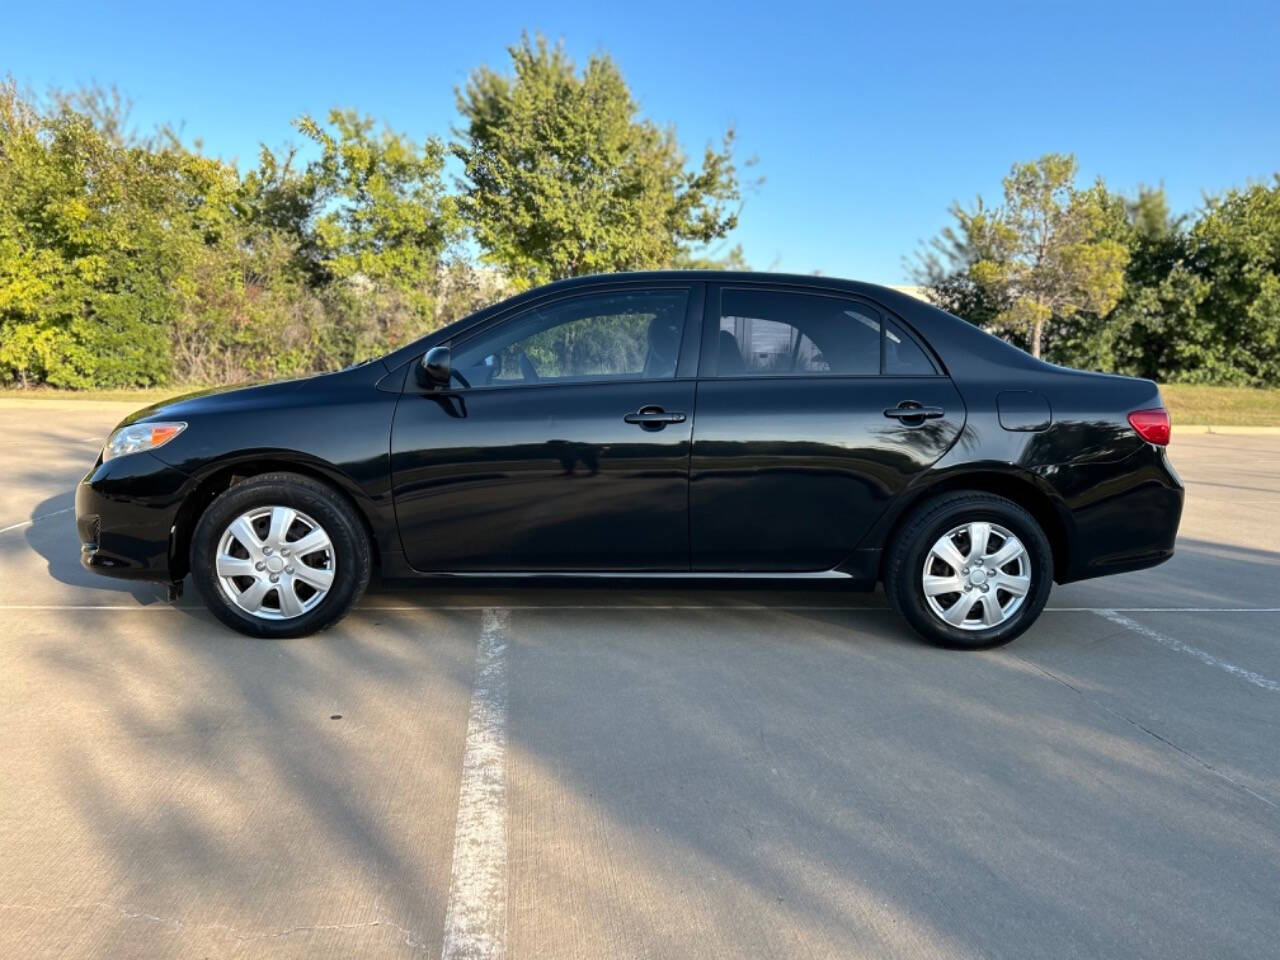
[436, 369]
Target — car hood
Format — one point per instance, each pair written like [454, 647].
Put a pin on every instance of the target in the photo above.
[226, 399]
[214, 399]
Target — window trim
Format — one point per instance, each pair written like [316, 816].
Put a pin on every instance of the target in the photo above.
[687, 355]
[708, 368]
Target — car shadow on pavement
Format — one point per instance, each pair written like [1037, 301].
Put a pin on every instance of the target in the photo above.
[1201, 573]
[52, 536]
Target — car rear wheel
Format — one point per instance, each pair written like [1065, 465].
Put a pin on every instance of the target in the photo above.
[280, 555]
[969, 570]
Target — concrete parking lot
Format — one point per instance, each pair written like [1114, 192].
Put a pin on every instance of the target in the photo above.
[639, 772]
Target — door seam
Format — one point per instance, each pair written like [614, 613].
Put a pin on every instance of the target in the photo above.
[688, 481]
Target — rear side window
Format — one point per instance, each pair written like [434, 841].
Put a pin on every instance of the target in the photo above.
[770, 333]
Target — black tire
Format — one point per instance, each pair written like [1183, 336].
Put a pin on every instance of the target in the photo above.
[346, 534]
[905, 567]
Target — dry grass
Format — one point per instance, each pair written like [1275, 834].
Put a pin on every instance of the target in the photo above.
[140, 397]
[1222, 406]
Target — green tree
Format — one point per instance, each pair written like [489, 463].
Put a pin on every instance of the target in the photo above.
[731, 259]
[1200, 302]
[563, 178]
[128, 260]
[1050, 254]
[1139, 336]
[85, 279]
[1232, 268]
[382, 222]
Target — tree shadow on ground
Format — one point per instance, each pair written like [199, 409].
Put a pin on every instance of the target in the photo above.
[787, 780]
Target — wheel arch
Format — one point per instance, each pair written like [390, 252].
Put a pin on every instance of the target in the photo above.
[222, 475]
[1022, 489]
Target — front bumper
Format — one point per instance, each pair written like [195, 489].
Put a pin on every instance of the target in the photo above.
[125, 514]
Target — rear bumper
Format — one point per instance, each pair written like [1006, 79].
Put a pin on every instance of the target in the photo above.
[125, 513]
[1124, 516]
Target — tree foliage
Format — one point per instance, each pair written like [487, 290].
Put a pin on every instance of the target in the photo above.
[128, 260]
[1138, 290]
[378, 205]
[83, 238]
[133, 261]
[1229, 281]
[1049, 254]
[137, 260]
[563, 178]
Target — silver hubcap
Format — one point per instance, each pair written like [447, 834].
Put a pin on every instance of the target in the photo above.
[976, 576]
[275, 563]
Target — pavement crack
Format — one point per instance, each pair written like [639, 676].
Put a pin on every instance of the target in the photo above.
[408, 935]
[1160, 738]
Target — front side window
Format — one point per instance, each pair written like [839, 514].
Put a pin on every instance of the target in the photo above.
[610, 336]
[771, 333]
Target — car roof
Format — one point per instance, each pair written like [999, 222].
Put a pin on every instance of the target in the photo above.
[809, 280]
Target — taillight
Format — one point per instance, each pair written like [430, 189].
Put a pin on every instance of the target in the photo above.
[1152, 425]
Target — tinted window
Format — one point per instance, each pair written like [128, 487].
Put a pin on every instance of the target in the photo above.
[902, 356]
[764, 332]
[595, 337]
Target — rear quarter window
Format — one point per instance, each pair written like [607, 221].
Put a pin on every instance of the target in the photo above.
[903, 357]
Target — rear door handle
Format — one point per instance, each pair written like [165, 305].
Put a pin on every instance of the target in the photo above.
[654, 418]
[910, 410]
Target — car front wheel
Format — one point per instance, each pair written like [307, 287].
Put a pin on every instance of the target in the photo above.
[280, 555]
[969, 570]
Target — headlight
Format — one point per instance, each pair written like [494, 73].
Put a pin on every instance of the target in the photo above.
[140, 436]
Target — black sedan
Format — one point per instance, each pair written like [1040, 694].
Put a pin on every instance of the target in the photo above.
[669, 425]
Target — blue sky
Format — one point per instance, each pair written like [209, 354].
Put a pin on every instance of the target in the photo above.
[868, 120]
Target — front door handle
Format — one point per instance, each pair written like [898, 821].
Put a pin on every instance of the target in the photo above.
[654, 418]
[914, 414]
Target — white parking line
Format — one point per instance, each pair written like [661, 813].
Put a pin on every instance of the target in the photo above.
[43, 516]
[1162, 609]
[476, 917]
[1257, 679]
